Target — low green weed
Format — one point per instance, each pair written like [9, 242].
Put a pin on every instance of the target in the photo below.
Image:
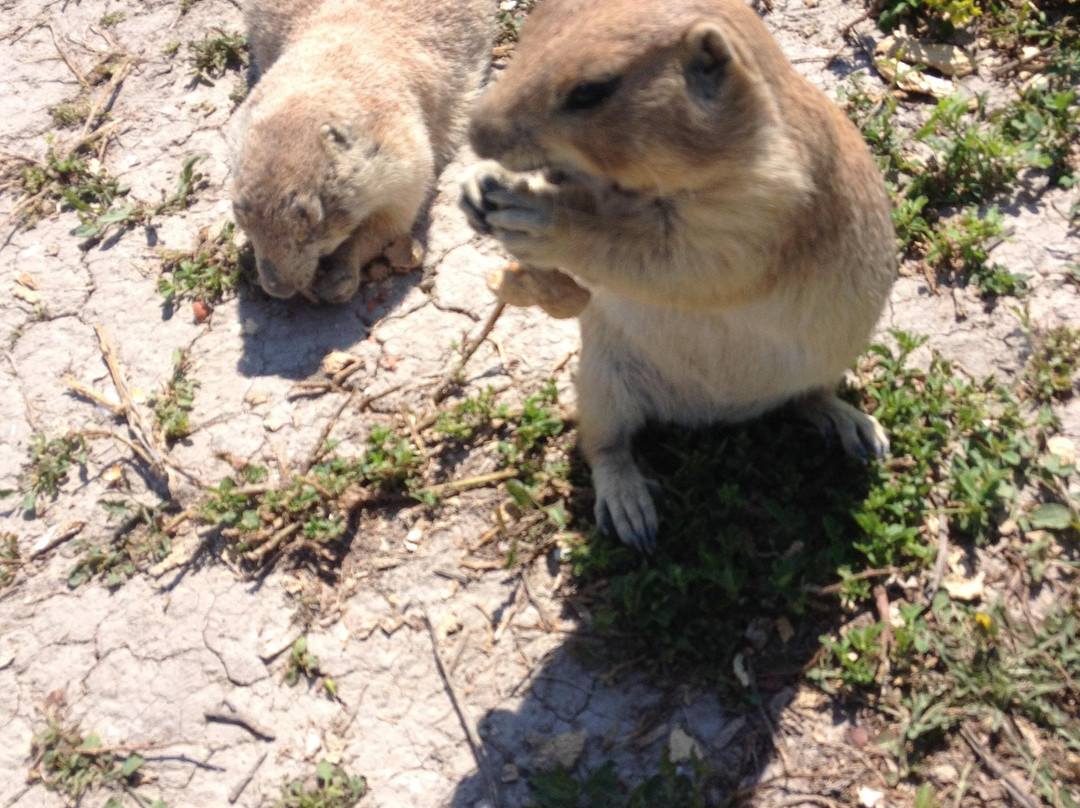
[313, 511]
[136, 543]
[510, 17]
[172, 406]
[10, 560]
[212, 56]
[333, 788]
[758, 514]
[48, 466]
[111, 19]
[71, 113]
[213, 271]
[956, 666]
[1051, 371]
[300, 663]
[74, 765]
[675, 785]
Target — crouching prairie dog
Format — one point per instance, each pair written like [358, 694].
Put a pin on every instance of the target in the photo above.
[726, 218]
[358, 105]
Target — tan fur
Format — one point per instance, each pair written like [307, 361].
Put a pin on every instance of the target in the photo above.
[358, 105]
[726, 217]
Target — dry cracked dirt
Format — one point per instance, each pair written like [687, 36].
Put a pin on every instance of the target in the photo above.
[186, 661]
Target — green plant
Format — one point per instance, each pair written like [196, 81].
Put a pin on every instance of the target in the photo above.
[98, 214]
[510, 17]
[956, 665]
[9, 558]
[681, 785]
[300, 662]
[67, 762]
[313, 511]
[217, 53]
[760, 514]
[111, 19]
[1051, 371]
[211, 272]
[138, 541]
[959, 247]
[333, 788]
[70, 113]
[175, 401]
[48, 467]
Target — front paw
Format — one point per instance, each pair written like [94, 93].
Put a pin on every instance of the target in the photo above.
[338, 279]
[625, 504]
[517, 209]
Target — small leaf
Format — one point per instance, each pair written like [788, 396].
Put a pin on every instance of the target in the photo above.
[131, 765]
[324, 771]
[1052, 516]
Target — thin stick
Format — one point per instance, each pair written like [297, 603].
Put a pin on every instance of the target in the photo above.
[1018, 792]
[240, 720]
[470, 482]
[63, 54]
[475, 744]
[452, 380]
[833, 589]
[942, 556]
[238, 789]
[545, 622]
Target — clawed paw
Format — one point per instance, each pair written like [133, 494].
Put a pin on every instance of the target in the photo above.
[517, 209]
[860, 434]
[625, 505]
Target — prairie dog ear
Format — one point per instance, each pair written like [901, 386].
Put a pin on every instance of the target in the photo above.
[707, 56]
[335, 135]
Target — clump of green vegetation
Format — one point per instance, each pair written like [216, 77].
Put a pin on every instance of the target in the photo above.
[301, 663]
[171, 48]
[749, 516]
[1051, 372]
[173, 404]
[70, 113]
[9, 558]
[971, 157]
[954, 666]
[675, 785]
[48, 467]
[74, 182]
[137, 542]
[521, 435]
[111, 19]
[217, 53]
[333, 788]
[186, 6]
[510, 18]
[311, 512]
[209, 273]
[73, 765]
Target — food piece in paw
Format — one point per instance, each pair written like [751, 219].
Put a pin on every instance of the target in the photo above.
[551, 289]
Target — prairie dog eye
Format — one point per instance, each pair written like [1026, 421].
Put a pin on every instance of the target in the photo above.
[588, 95]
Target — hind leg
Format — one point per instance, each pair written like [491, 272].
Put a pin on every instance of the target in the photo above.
[860, 434]
[609, 414]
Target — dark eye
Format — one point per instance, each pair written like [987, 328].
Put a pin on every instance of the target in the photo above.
[590, 94]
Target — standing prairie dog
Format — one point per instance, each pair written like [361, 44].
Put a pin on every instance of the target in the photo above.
[359, 104]
[727, 219]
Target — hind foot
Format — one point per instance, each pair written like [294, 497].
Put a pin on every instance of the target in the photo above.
[860, 434]
[624, 502]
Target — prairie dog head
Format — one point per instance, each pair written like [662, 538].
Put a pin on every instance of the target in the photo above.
[656, 95]
[306, 179]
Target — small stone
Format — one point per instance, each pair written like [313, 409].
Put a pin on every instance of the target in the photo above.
[336, 361]
[1063, 449]
[256, 397]
[869, 797]
[965, 589]
[559, 750]
[682, 746]
[858, 736]
[784, 629]
[509, 773]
